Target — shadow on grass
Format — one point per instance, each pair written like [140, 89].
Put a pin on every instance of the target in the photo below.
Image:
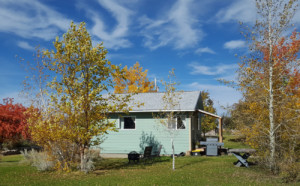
[9, 161]
[194, 161]
[242, 140]
[103, 165]
[250, 164]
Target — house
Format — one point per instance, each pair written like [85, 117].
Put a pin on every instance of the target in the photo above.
[141, 128]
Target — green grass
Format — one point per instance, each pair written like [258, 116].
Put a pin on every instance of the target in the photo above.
[198, 170]
[233, 142]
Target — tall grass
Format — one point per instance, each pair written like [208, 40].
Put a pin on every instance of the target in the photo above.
[41, 160]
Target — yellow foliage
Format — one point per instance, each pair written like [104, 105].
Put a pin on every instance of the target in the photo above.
[207, 122]
[75, 114]
[253, 114]
[133, 80]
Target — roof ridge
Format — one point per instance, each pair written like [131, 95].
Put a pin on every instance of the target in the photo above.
[159, 92]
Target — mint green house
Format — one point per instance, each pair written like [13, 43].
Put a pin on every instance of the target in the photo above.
[140, 128]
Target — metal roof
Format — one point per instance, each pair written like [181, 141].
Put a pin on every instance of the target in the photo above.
[153, 102]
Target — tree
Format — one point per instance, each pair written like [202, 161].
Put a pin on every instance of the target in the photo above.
[241, 117]
[207, 122]
[171, 120]
[228, 122]
[269, 81]
[13, 125]
[133, 80]
[44, 126]
[79, 102]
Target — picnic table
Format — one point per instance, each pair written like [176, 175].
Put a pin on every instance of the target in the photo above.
[242, 155]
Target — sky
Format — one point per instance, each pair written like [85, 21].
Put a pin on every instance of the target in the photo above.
[198, 38]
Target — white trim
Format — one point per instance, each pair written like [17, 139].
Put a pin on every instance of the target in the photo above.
[190, 132]
[159, 111]
[119, 122]
[208, 113]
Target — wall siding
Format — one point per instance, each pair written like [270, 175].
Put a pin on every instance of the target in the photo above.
[148, 132]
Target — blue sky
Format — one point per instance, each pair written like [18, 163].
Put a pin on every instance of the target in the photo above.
[198, 38]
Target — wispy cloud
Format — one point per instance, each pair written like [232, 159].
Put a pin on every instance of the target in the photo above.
[133, 57]
[246, 12]
[112, 38]
[25, 45]
[196, 68]
[205, 50]
[235, 44]
[31, 19]
[238, 10]
[177, 28]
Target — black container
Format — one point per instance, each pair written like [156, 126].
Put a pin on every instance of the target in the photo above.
[133, 156]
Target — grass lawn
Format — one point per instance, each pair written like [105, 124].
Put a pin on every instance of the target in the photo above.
[195, 170]
[233, 142]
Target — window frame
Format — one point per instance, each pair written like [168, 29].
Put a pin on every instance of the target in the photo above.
[183, 119]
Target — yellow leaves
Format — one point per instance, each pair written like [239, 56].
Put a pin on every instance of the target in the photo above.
[253, 134]
[253, 113]
[207, 122]
[132, 80]
[75, 110]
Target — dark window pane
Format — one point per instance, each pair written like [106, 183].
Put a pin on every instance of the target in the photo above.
[129, 123]
[180, 124]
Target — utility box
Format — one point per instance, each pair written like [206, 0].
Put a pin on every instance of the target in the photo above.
[212, 146]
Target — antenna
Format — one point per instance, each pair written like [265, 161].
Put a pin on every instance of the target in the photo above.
[155, 86]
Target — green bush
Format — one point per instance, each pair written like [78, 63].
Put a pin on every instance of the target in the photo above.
[10, 145]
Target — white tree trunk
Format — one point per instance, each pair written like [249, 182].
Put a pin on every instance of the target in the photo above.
[271, 95]
[82, 158]
[173, 150]
[271, 118]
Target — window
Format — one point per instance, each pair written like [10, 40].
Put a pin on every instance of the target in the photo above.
[180, 124]
[177, 123]
[172, 123]
[127, 122]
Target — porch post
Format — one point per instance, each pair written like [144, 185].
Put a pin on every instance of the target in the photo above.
[220, 130]
[220, 123]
